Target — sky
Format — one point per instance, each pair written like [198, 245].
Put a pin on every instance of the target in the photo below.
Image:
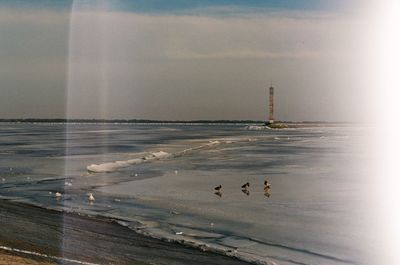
[184, 59]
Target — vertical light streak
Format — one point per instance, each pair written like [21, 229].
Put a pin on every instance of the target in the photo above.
[88, 69]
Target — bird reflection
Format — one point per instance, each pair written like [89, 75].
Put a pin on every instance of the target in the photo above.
[246, 191]
[267, 192]
[218, 193]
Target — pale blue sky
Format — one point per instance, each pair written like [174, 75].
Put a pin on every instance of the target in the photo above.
[163, 6]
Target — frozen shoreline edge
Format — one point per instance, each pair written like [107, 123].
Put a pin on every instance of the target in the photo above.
[209, 254]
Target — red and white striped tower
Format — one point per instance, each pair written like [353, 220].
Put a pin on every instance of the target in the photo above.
[271, 105]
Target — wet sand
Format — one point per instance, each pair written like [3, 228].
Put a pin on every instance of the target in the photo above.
[66, 237]
[9, 258]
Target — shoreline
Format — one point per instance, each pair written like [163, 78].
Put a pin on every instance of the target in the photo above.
[53, 237]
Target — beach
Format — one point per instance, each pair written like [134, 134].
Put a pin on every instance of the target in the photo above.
[73, 239]
[10, 258]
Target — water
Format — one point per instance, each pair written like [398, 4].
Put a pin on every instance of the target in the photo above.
[163, 185]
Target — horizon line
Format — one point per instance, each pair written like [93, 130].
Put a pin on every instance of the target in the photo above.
[141, 120]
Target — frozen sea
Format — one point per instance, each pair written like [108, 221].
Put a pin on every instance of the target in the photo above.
[159, 179]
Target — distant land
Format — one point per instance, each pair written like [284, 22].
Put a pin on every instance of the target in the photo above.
[149, 121]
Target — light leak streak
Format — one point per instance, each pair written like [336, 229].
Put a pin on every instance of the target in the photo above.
[387, 84]
[87, 48]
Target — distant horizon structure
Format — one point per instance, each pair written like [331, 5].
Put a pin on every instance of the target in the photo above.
[271, 105]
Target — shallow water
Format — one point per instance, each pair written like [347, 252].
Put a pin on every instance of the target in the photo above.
[314, 214]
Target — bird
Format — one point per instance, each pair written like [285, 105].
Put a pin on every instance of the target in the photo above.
[267, 188]
[246, 186]
[267, 185]
[218, 188]
[218, 191]
[91, 197]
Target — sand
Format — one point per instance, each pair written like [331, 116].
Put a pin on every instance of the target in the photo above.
[10, 258]
[87, 239]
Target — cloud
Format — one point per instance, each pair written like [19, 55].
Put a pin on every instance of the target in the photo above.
[272, 36]
[241, 54]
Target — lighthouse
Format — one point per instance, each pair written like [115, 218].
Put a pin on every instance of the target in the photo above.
[271, 105]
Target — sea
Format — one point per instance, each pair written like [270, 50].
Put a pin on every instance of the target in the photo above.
[159, 180]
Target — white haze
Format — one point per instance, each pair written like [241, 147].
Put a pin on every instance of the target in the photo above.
[182, 67]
